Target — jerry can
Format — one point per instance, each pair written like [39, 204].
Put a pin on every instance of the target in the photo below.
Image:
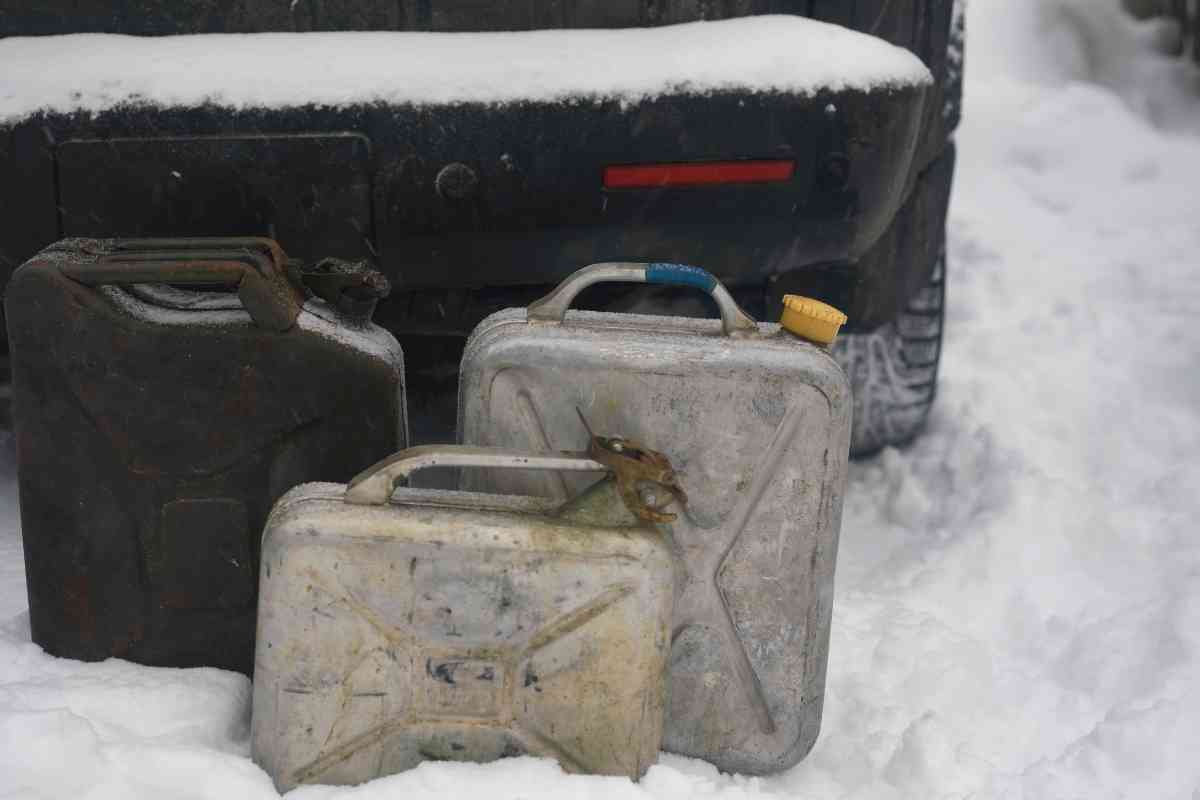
[402, 625]
[156, 424]
[756, 421]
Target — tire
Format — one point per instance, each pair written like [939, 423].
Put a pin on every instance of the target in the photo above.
[893, 369]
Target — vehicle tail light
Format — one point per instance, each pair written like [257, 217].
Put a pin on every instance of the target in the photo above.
[634, 176]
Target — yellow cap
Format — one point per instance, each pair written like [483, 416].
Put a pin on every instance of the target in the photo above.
[811, 319]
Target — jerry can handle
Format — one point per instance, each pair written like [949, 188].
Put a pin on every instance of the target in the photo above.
[185, 243]
[553, 307]
[264, 290]
[374, 485]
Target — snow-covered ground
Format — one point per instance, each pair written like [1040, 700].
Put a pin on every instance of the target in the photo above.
[1018, 600]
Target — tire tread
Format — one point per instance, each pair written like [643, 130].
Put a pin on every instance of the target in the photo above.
[893, 369]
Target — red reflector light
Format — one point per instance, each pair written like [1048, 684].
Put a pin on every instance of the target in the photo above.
[702, 174]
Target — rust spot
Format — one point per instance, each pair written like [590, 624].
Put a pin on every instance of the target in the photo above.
[177, 599]
[122, 647]
[78, 605]
[635, 467]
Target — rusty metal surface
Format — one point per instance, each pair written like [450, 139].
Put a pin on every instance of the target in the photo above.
[256, 268]
[353, 287]
[156, 426]
[641, 474]
[449, 625]
[757, 428]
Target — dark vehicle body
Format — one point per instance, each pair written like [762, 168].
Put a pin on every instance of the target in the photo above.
[468, 208]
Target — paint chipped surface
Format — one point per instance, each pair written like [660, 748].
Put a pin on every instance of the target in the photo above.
[453, 628]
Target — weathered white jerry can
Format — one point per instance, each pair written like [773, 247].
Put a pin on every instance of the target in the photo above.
[400, 625]
[756, 420]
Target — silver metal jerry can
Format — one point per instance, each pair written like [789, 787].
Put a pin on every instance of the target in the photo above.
[756, 422]
[402, 625]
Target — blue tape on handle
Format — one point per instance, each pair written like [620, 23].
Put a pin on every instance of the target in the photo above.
[680, 275]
